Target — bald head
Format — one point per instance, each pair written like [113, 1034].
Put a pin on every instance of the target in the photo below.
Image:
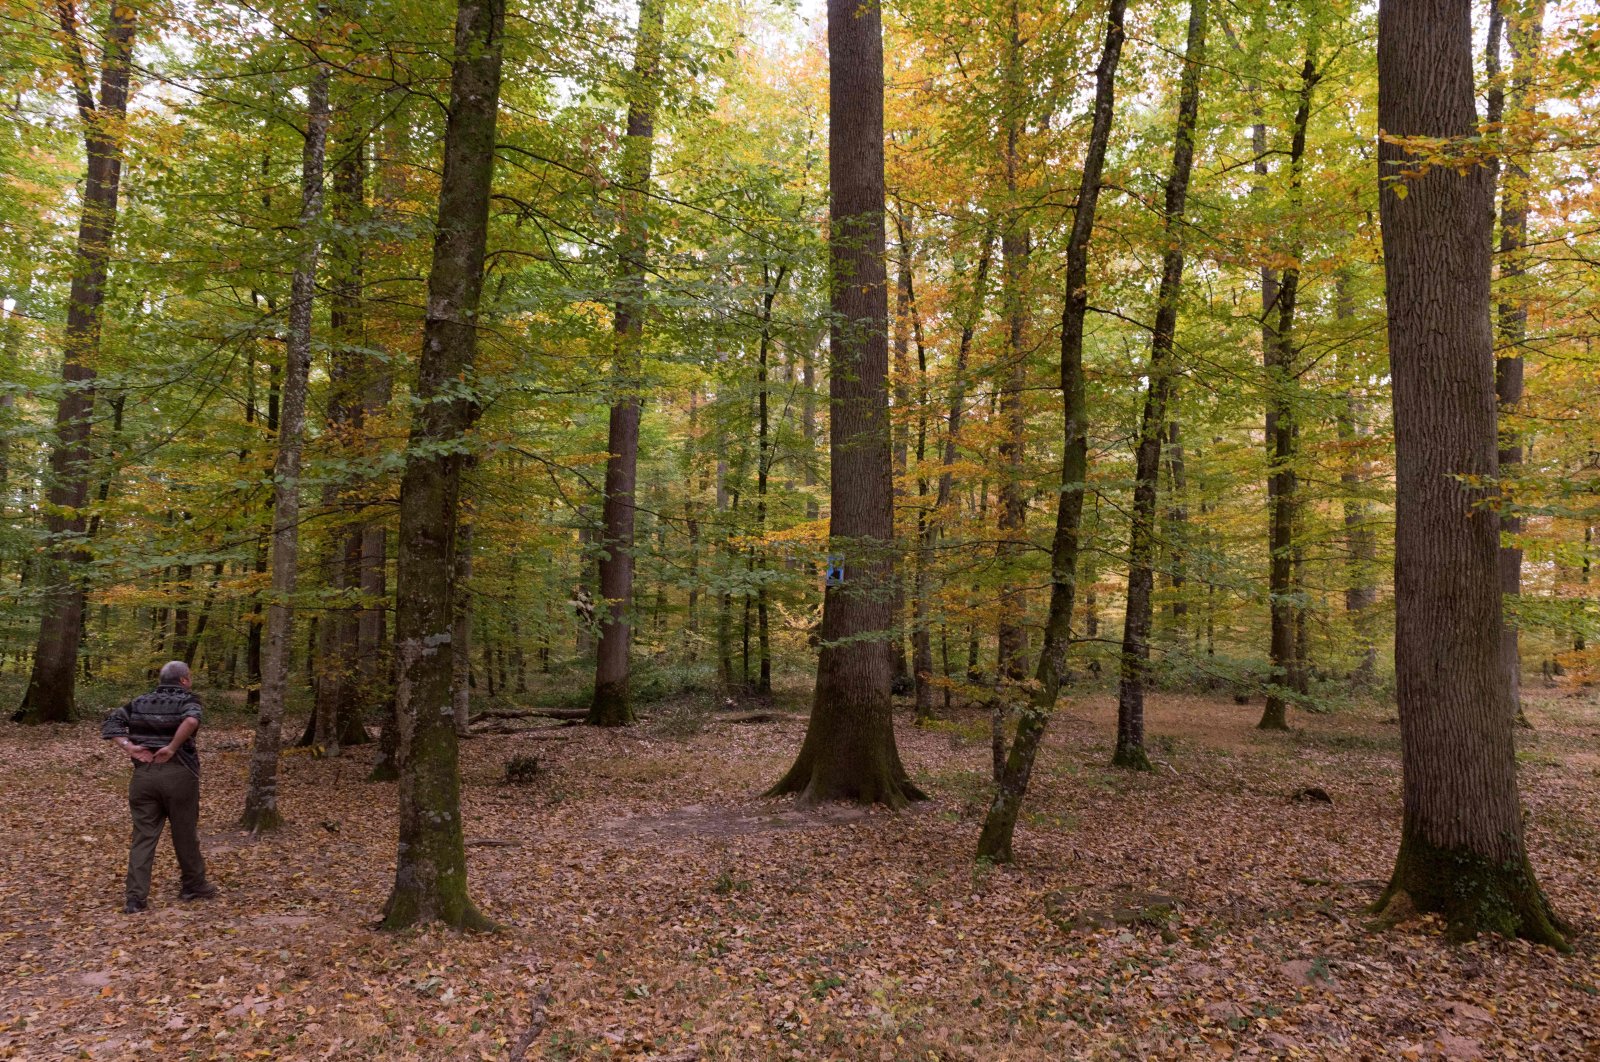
[174, 673]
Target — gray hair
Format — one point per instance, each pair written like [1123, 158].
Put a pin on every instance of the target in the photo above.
[174, 672]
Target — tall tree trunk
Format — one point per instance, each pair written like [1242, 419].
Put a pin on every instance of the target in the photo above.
[336, 706]
[900, 675]
[1135, 662]
[1361, 593]
[1011, 634]
[431, 865]
[1462, 850]
[994, 843]
[261, 795]
[52, 684]
[1525, 30]
[461, 630]
[1177, 529]
[849, 751]
[1282, 443]
[613, 704]
[771, 287]
[933, 526]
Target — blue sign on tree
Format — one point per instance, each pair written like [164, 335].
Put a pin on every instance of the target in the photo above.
[835, 569]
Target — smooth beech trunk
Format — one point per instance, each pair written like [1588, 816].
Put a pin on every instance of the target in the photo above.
[1283, 436]
[430, 883]
[1462, 850]
[613, 702]
[994, 843]
[771, 285]
[52, 684]
[849, 751]
[261, 794]
[1135, 661]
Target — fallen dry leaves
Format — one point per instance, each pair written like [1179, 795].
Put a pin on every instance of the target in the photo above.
[653, 908]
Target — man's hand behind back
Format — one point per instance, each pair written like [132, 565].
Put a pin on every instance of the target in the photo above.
[139, 754]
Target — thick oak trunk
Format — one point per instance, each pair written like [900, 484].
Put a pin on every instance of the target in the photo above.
[849, 751]
[430, 882]
[1462, 850]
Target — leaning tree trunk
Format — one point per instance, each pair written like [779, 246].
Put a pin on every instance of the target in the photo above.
[1130, 751]
[613, 703]
[430, 881]
[261, 794]
[1462, 850]
[994, 843]
[1282, 444]
[849, 751]
[52, 684]
[1524, 33]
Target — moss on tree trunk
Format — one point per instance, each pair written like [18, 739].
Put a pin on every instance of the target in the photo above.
[1473, 894]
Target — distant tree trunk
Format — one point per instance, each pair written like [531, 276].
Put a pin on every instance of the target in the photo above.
[725, 599]
[1135, 662]
[900, 674]
[772, 285]
[613, 704]
[933, 527]
[52, 684]
[849, 751]
[1177, 524]
[921, 636]
[1282, 443]
[1525, 30]
[10, 358]
[431, 865]
[1579, 639]
[1462, 851]
[994, 843]
[461, 630]
[808, 431]
[261, 795]
[338, 707]
[1361, 549]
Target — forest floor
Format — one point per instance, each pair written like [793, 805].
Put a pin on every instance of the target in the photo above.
[654, 907]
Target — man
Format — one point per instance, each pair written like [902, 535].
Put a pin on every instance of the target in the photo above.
[157, 732]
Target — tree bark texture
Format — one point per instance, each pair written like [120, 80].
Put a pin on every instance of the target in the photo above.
[849, 751]
[431, 865]
[1462, 851]
[994, 843]
[52, 683]
[1135, 662]
[1282, 380]
[261, 794]
[613, 703]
